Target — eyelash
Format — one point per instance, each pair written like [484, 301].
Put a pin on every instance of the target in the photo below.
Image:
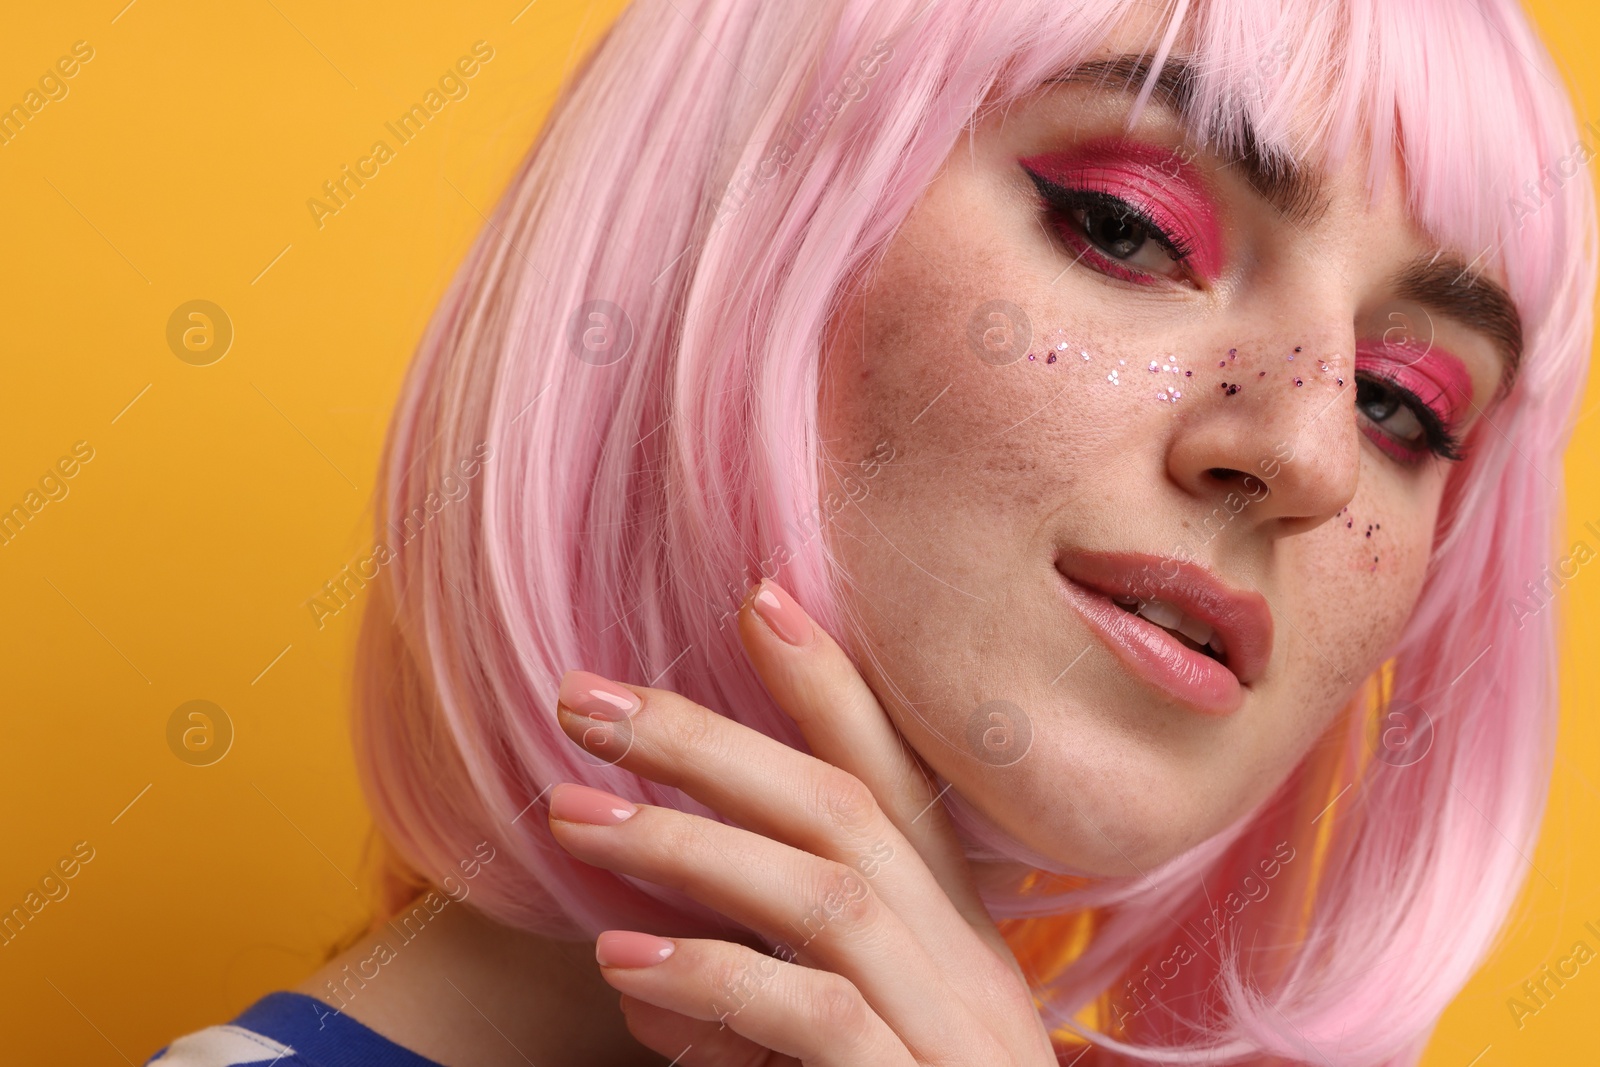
[1439, 439]
[1063, 202]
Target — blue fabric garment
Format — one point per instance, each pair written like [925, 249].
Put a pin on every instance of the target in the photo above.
[287, 1030]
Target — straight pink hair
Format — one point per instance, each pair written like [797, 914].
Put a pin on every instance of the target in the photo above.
[717, 173]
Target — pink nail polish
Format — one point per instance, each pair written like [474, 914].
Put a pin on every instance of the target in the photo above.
[787, 618]
[571, 802]
[628, 948]
[600, 698]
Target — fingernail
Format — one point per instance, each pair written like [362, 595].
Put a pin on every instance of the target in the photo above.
[600, 698]
[571, 802]
[628, 948]
[787, 619]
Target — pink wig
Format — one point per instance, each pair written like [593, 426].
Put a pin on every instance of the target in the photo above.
[717, 174]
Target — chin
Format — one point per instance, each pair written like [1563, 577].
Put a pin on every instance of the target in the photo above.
[1086, 799]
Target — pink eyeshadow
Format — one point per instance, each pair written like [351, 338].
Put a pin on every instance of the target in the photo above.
[1160, 182]
[1435, 376]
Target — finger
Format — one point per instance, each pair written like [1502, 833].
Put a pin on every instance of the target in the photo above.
[816, 684]
[695, 1042]
[821, 909]
[816, 1017]
[776, 791]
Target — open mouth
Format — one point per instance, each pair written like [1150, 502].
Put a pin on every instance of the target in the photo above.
[1190, 632]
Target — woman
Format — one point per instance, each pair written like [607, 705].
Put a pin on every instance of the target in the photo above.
[1157, 411]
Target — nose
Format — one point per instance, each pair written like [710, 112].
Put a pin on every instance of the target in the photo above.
[1273, 429]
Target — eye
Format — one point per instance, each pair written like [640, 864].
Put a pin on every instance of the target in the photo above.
[1113, 235]
[1118, 230]
[1411, 429]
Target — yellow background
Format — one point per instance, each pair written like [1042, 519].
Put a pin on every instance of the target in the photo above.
[221, 497]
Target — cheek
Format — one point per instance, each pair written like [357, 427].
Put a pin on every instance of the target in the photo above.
[1363, 572]
[980, 448]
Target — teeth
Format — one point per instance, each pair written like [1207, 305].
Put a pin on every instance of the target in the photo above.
[1195, 630]
[1161, 613]
[1168, 617]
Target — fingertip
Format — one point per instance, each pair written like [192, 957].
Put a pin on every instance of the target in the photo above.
[782, 614]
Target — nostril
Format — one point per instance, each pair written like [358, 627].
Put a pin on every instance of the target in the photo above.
[1225, 474]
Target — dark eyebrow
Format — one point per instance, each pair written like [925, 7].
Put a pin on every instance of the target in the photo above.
[1441, 282]
[1446, 285]
[1296, 194]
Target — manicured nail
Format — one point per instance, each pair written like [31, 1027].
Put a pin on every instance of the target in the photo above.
[628, 948]
[599, 698]
[571, 802]
[787, 619]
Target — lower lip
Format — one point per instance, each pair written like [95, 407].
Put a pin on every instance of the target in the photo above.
[1194, 680]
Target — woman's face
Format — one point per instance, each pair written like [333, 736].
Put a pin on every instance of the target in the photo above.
[1240, 443]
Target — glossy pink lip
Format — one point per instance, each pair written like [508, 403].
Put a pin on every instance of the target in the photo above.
[1242, 619]
[1164, 183]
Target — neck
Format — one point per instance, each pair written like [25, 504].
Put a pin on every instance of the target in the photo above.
[454, 986]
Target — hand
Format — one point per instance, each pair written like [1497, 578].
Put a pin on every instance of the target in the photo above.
[846, 852]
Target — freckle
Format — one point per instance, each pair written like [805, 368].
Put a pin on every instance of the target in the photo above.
[1188, 374]
[1263, 374]
[1297, 348]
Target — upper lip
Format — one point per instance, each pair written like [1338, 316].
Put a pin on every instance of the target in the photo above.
[1243, 618]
